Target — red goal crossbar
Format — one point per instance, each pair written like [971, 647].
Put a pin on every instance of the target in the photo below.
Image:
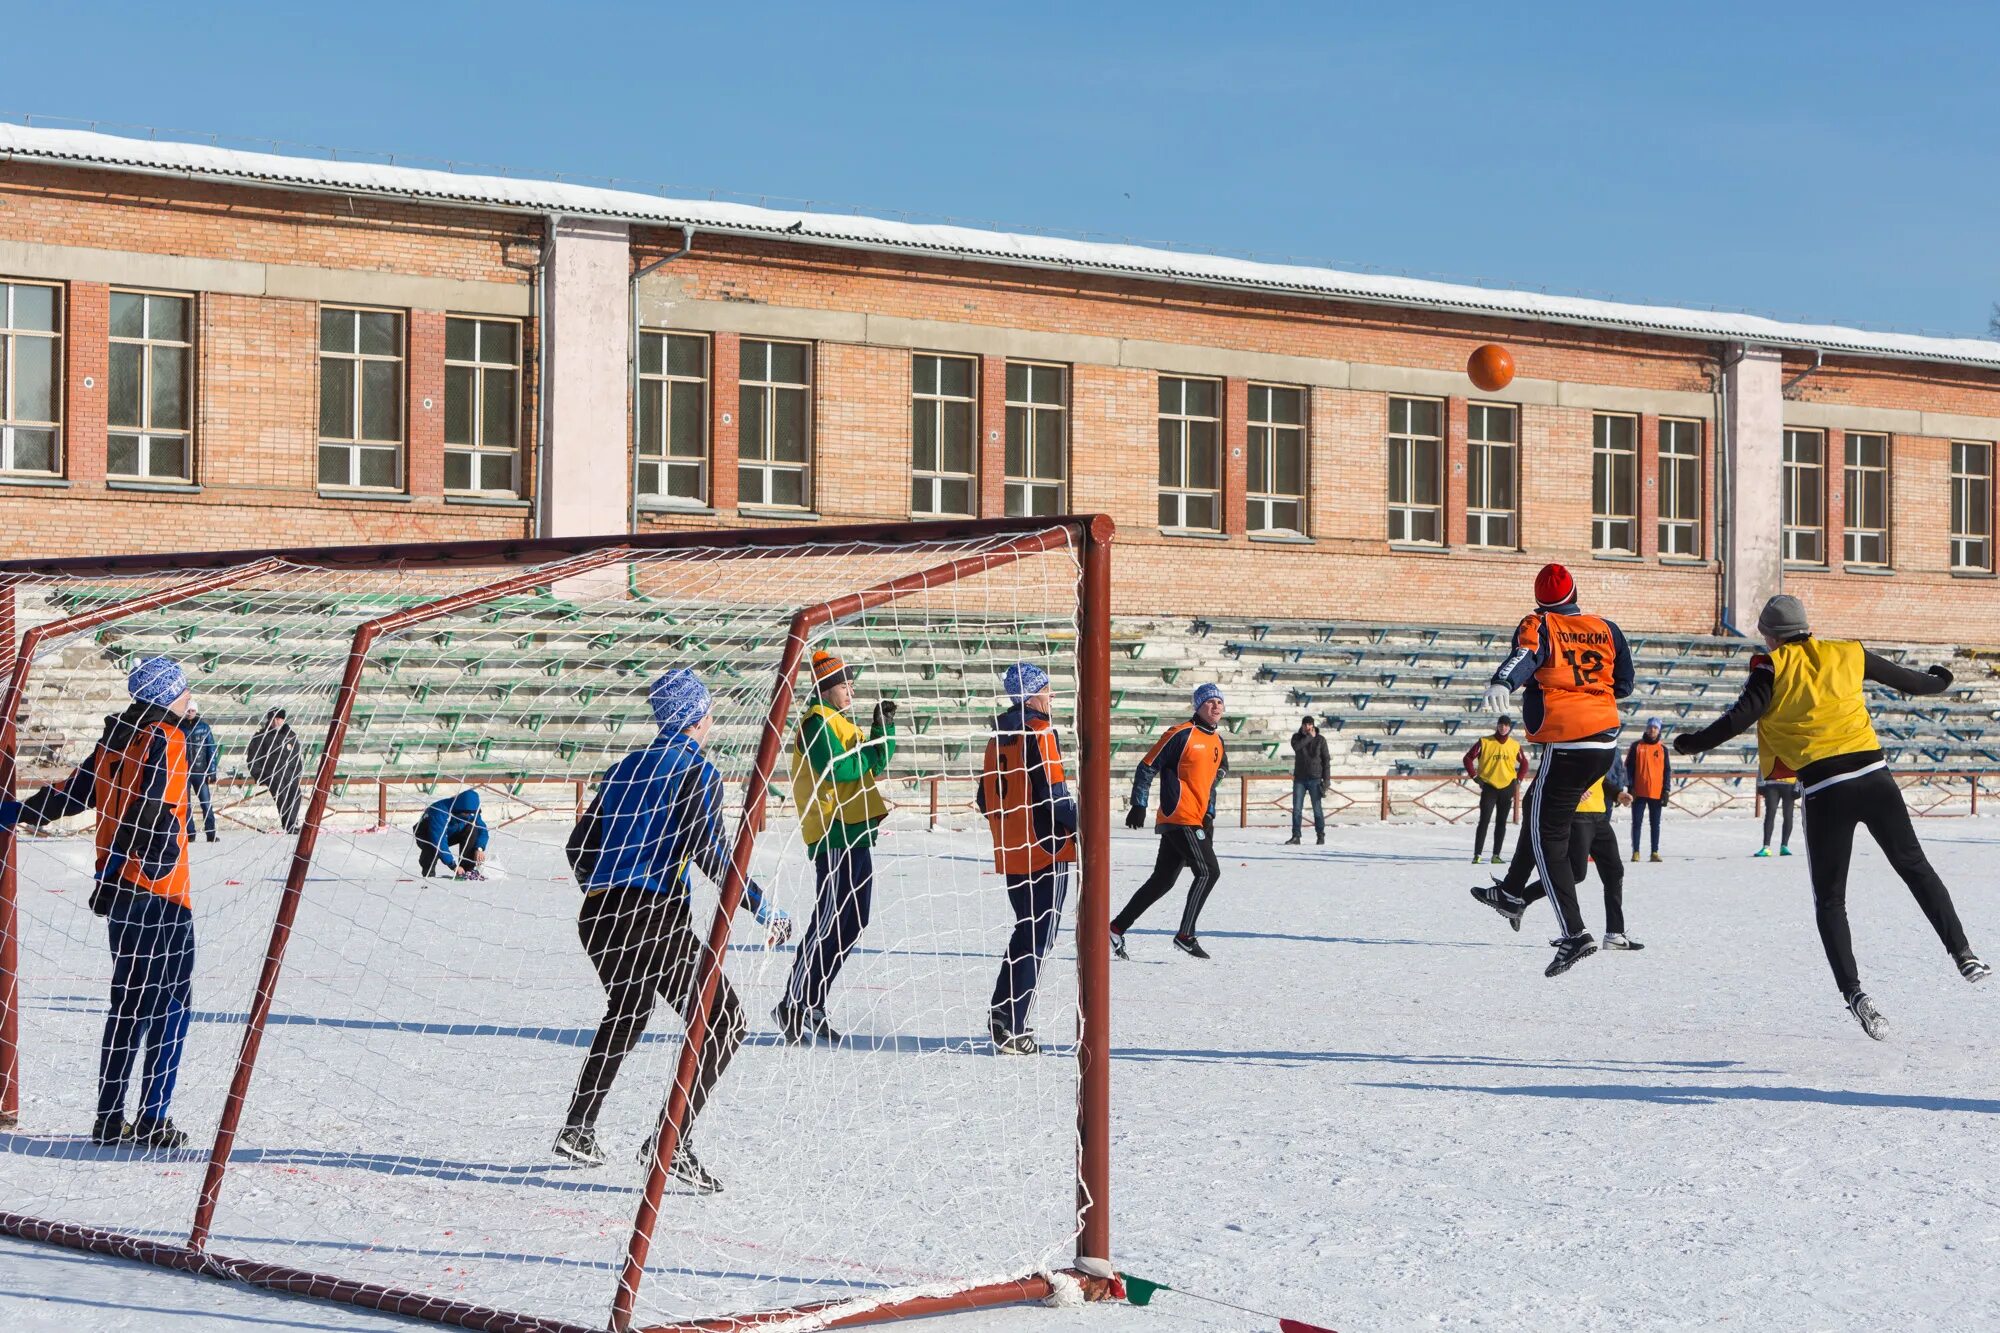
[557, 560]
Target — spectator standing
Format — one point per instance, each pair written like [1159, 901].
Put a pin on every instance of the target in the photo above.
[1776, 791]
[204, 760]
[1312, 762]
[1498, 765]
[1651, 769]
[275, 764]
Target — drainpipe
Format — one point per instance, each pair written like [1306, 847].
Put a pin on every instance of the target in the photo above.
[632, 358]
[1725, 472]
[542, 330]
[1819, 359]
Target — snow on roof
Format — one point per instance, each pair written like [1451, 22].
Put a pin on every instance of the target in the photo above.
[520, 195]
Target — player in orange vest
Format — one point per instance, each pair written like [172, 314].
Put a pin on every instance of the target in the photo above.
[1572, 670]
[137, 780]
[1025, 796]
[1190, 761]
[1651, 769]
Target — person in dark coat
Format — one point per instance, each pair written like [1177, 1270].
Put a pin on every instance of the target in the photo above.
[276, 764]
[1311, 764]
[204, 761]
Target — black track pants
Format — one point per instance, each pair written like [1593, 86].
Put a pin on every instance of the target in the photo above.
[1567, 769]
[1591, 840]
[1832, 812]
[1774, 796]
[1495, 804]
[1181, 847]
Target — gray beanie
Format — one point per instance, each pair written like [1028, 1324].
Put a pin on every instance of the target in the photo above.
[1783, 617]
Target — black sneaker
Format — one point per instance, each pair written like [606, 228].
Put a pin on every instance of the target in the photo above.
[162, 1134]
[1015, 1043]
[1190, 946]
[1866, 1014]
[687, 1169]
[1570, 950]
[791, 1022]
[110, 1131]
[579, 1144]
[1292, 841]
[1320, 839]
[1511, 908]
[1118, 945]
[1970, 967]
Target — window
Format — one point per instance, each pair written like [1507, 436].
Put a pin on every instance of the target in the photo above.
[482, 405]
[774, 424]
[1680, 488]
[1804, 499]
[943, 417]
[1971, 505]
[360, 398]
[1492, 441]
[673, 419]
[1276, 493]
[1037, 463]
[1866, 529]
[30, 378]
[1190, 454]
[152, 387]
[1416, 471]
[1614, 484]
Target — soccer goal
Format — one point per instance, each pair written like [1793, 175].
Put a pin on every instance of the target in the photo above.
[377, 1062]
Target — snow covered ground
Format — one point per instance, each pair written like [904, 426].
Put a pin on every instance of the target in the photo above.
[1370, 1111]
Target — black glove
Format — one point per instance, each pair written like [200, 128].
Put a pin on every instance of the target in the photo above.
[1943, 673]
[885, 714]
[1136, 817]
[1684, 744]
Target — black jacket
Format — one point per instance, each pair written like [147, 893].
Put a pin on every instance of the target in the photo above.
[273, 756]
[1311, 760]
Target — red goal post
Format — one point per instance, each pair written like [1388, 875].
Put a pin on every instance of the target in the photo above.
[932, 557]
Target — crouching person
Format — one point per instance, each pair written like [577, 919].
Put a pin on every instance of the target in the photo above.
[452, 833]
[138, 780]
[657, 811]
[1026, 799]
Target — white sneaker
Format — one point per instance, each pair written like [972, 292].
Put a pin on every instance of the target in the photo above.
[1625, 942]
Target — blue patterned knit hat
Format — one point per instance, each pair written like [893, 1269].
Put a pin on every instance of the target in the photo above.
[158, 681]
[1206, 691]
[678, 699]
[1024, 680]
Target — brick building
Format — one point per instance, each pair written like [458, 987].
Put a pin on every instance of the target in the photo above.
[209, 348]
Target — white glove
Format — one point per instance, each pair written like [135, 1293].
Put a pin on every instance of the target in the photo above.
[778, 930]
[1498, 699]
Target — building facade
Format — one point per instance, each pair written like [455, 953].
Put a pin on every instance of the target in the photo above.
[205, 349]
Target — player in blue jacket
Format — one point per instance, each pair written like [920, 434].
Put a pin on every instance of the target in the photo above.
[452, 825]
[657, 812]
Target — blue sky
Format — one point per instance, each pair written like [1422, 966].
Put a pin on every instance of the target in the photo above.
[1834, 163]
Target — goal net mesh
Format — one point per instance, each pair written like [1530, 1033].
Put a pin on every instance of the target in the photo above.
[425, 1034]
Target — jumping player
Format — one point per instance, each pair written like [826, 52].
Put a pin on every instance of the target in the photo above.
[1592, 840]
[1496, 763]
[657, 811]
[452, 825]
[1191, 763]
[1805, 698]
[138, 779]
[1574, 668]
[1026, 799]
[836, 775]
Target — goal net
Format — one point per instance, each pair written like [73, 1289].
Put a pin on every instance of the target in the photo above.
[376, 1063]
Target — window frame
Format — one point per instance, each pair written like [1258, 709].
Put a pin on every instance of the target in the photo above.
[937, 402]
[766, 464]
[480, 372]
[1259, 506]
[357, 442]
[9, 361]
[664, 459]
[144, 431]
[1960, 508]
[1481, 450]
[1183, 422]
[1854, 478]
[1790, 532]
[1604, 519]
[1403, 445]
[1670, 489]
[1026, 484]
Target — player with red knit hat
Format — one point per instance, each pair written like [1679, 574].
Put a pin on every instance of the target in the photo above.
[1572, 670]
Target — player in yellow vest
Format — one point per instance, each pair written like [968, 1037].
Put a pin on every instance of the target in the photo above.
[836, 773]
[1805, 699]
[1497, 764]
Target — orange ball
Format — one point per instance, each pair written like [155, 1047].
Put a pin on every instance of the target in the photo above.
[1491, 367]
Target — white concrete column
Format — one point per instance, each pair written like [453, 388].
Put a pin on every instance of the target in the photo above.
[1752, 548]
[585, 485]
